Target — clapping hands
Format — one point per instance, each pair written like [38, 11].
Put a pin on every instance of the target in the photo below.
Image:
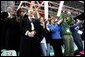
[31, 34]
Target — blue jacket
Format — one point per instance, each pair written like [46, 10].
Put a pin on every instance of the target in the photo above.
[55, 31]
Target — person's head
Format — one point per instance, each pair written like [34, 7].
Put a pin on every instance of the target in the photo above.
[9, 9]
[22, 13]
[30, 13]
[42, 19]
[52, 21]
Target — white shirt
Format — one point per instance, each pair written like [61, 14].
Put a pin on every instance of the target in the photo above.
[32, 26]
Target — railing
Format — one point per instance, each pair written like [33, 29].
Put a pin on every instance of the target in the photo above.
[74, 11]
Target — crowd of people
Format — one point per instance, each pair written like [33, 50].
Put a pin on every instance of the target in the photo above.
[24, 29]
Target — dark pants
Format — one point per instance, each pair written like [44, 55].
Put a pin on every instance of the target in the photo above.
[78, 40]
[29, 47]
[56, 43]
[68, 43]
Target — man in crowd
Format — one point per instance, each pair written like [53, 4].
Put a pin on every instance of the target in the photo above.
[66, 33]
[31, 35]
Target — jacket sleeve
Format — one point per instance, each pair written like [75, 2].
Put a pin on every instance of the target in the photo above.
[73, 26]
[23, 27]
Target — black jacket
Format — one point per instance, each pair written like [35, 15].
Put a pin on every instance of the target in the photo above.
[30, 46]
[26, 25]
